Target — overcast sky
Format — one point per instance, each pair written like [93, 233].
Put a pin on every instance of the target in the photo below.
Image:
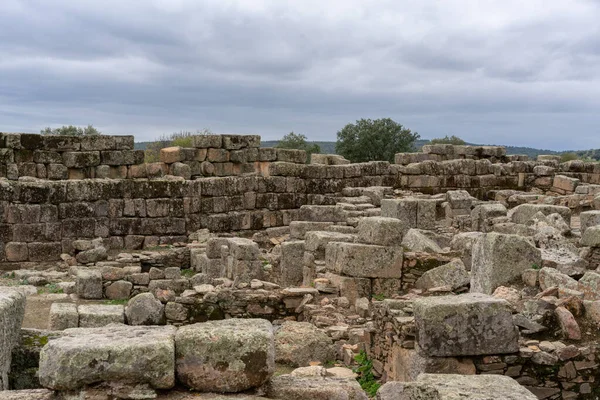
[523, 72]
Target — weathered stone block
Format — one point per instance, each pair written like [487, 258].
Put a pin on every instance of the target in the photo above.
[98, 315]
[381, 230]
[589, 219]
[63, 316]
[291, 263]
[72, 361]
[363, 260]
[119, 290]
[89, 284]
[145, 309]
[81, 159]
[498, 259]
[209, 356]
[12, 311]
[524, 213]
[465, 325]
[300, 343]
[452, 274]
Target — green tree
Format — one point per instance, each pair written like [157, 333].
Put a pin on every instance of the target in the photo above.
[298, 141]
[373, 140]
[71, 131]
[448, 140]
[564, 157]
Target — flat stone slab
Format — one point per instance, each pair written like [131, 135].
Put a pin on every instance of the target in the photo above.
[364, 260]
[465, 325]
[84, 356]
[225, 356]
[97, 315]
[451, 387]
[63, 316]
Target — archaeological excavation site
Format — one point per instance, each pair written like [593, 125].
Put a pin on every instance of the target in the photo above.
[231, 271]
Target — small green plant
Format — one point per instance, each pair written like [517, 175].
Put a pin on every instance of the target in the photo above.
[329, 364]
[53, 288]
[50, 288]
[366, 379]
[379, 297]
[188, 273]
[535, 266]
[116, 302]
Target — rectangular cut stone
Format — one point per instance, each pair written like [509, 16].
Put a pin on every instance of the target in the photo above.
[98, 315]
[364, 260]
[465, 325]
[84, 356]
[291, 263]
[497, 259]
[316, 241]
[63, 316]
[12, 310]
[381, 230]
[458, 386]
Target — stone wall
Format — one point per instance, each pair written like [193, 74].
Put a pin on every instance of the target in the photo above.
[66, 157]
[549, 369]
[12, 309]
[40, 218]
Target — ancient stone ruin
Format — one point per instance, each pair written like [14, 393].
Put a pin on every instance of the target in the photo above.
[228, 269]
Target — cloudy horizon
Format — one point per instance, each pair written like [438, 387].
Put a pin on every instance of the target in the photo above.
[491, 72]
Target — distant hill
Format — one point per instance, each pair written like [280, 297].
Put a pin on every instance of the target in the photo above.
[329, 148]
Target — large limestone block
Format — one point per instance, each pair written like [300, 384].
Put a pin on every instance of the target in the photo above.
[316, 241]
[452, 274]
[591, 236]
[417, 241]
[483, 213]
[98, 315]
[463, 242]
[322, 213]
[465, 325]
[381, 231]
[12, 310]
[63, 316]
[589, 284]
[84, 356]
[364, 260]
[291, 263]
[89, 284]
[405, 365]
[231, 355]
[317, 387]
[498, 259]
[454, 387]
[415, 213]
[299, 343]
[589, 219]
[525, 212]
[145, 309]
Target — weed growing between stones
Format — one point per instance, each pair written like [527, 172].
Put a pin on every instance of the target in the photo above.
[365, 374]
[116, 302]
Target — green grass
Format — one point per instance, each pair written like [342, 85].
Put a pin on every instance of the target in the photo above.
[116, 302]
[50, 288]
[535, 266]
[379, 297]
[366, 379]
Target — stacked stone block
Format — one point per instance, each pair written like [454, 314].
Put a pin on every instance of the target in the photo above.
[58, 157]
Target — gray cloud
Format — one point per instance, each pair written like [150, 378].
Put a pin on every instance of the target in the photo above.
[488, 71]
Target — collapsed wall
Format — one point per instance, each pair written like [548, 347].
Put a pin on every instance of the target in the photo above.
[12, 309]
